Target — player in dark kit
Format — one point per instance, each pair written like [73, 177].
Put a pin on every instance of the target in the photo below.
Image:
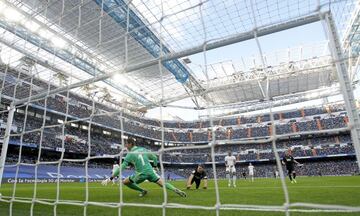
[196, 176]
[289, 161]
[244, 175]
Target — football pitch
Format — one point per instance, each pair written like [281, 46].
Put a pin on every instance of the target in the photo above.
[321, 190]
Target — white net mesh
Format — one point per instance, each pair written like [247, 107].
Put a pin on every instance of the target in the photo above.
[77, 76]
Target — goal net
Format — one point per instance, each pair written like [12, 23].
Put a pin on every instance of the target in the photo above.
[77, 78]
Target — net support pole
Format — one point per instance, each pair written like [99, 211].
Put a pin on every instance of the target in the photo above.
[344, 80]
[6, 140]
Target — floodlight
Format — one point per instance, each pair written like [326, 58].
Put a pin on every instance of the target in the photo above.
[32, 26]
[120, 79]
[45, 34]
[13, 15]
[58, 42]
[3, 7]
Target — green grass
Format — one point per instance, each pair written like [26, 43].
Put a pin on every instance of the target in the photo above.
[324, 190]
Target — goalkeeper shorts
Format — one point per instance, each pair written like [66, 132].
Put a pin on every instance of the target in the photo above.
[138, 178]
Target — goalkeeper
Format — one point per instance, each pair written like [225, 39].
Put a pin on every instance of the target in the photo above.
[138, 157]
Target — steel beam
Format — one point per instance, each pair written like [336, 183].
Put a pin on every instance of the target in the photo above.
[241, 82]
[6, 141]
[68, 57]
[117, 10]
[38, 60]
[277, 102]
[262, 31]
[345, 84]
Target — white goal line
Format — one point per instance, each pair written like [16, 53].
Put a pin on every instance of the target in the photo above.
[235, 207]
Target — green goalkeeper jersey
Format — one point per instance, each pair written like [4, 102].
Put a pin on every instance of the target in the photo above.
[141, 161]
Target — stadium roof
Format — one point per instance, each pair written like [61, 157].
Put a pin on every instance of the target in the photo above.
[83, 39]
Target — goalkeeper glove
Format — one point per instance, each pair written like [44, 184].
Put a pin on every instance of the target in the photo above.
[105, 182]
[156, 169]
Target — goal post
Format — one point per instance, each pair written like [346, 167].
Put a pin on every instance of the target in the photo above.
[345, 83]
[6, 139]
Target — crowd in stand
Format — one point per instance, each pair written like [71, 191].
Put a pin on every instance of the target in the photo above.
[304, 147]
[188, 156]
[75, 106]
[203, 136]
[74, 139]
[77, 140]
[103, 145]
[13, 159]
[319, 168]
[309, 168]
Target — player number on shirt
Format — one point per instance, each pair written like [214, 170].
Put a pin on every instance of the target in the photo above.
[142, 159]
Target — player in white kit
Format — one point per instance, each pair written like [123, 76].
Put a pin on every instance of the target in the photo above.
[230, 161]
[251, 171]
